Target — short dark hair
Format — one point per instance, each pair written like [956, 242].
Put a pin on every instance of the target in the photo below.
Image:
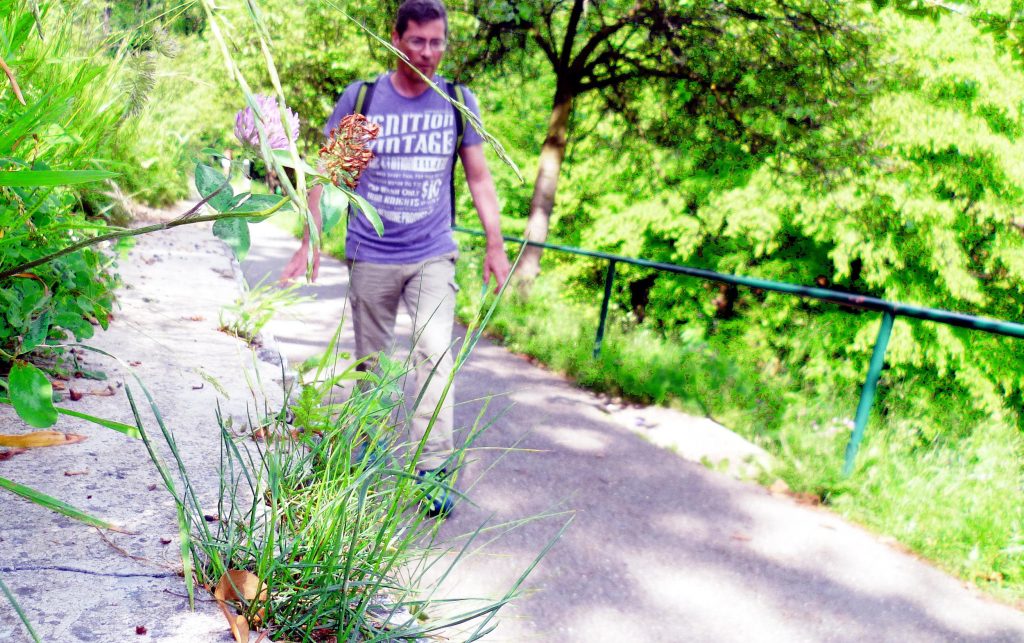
[420, 11]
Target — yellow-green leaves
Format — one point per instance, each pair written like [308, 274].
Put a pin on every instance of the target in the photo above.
[51, 178]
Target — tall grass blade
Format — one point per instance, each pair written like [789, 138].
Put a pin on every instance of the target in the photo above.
[49, 502]
[184, 531]
[17, 608]
[127, 429]
[49, 178]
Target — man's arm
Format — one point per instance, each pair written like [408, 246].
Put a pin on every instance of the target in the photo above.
[485, 198]
[297, 265]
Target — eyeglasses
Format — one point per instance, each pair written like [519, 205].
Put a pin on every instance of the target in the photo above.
[418, 44]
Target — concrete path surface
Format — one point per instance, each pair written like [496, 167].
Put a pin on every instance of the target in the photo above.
[659, 548]
[77, 583]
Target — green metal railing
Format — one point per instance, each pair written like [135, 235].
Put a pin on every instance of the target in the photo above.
[890, 311]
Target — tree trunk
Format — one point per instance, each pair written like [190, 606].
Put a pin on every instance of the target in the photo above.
[551, 156]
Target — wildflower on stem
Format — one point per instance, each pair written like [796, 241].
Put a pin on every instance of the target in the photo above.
[346, 154]
[277, 139]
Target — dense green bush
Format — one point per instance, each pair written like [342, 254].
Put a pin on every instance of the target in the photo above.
[913, 198]
[71, 88]
[90, 99]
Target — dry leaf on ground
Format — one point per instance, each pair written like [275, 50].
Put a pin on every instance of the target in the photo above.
[40, 439]
[238, 584]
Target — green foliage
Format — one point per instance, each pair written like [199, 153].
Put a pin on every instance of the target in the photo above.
[916, 202]
[187, 110]
[69, 83]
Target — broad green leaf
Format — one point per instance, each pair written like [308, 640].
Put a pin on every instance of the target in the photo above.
[127, 429]
[49, 502]
[235, 233]
[32, 395]
[50, 178]
[74, 322]
[333, 204]
[369, 212]
[210, 180]
[37, 332]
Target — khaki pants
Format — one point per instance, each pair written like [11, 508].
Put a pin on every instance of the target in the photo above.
[428, 289]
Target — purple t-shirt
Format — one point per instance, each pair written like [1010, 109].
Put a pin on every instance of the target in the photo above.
[409, 179]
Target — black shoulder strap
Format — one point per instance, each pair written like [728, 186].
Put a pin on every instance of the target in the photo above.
[456, 92]
[363, 97]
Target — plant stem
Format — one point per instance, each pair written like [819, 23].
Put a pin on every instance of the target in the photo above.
[185, 219]
[14, 83]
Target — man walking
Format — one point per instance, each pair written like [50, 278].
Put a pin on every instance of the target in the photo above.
[408, 182]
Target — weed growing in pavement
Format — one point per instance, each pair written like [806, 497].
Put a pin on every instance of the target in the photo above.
[246, 317]
[318, 529]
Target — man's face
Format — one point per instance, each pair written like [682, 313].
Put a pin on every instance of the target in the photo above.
[424, 44]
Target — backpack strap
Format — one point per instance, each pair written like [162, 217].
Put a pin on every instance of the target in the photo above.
[457, 92]
[363, 97]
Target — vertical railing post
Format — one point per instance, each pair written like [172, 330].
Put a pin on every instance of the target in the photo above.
[867, 393]
[609, 277]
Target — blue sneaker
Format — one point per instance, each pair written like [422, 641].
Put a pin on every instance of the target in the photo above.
[438, 498]
[371, 455]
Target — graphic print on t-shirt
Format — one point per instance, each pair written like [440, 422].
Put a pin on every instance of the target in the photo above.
[409, 168]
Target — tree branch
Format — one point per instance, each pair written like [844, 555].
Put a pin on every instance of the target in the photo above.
[546, 47]
[570, 35]
[602, 35]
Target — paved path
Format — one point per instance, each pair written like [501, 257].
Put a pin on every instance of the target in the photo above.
[660, 548]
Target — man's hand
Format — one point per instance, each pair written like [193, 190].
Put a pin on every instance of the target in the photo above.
[496, 265]
[297, 265]
[485, 198]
